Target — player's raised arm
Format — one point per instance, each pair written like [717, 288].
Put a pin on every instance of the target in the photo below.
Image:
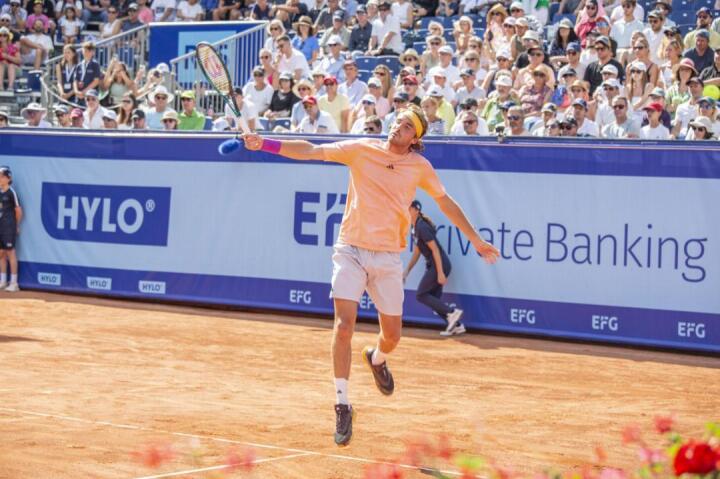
[294, 149]
[455, 214]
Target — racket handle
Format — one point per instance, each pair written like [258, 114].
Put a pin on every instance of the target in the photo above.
[243, 125]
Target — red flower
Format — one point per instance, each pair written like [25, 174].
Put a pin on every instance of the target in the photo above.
[695, 458]
[445, 450]
[664, 424]
[384, 471]
[154, 455]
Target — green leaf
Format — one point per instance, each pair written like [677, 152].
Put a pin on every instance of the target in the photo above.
[469, 463]
[713, 429]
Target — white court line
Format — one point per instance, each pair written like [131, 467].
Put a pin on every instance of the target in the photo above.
[224, 440]
[223, 466]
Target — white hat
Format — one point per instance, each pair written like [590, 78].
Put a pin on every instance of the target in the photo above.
[510, 21]
[369, 98]
[5, 16]
[434, 91]
[503, 80]
[504, 53]
[438, 72]
[220, 124]
[110, 115]
[531, 35]
[319, 71]
[638, 65]
[162, 68]
[517, 5]
[446, 49]
[161, 90]
[612, 69]
[335, 40]
[522, 21]
[702, 122]
[374, 82]
[613, 82]
[32, 107]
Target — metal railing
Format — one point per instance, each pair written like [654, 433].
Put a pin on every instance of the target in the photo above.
[130, 47]
[240, 53]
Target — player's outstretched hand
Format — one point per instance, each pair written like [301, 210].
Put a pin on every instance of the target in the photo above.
[489, 253]
[253, 141]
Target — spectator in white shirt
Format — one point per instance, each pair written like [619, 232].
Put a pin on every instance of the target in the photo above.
[316, 120]
[290, 60]
[259, 91]
[247, 112]
[189, 11]
[623, 29]
[353, 88]
[654, 34]
[164, 10]
[654, 130]
[34, 113]
[93, 116]
[451, 71]
[386, 37]
[36, 56]
[586, 126]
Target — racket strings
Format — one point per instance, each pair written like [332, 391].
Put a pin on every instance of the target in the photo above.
[216, 72]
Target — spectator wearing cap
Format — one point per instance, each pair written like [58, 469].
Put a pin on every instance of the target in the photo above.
[336, 104]
[593, 73]
[190, 118]
[471, 122]
[400, 104]
[436, 125]
[189, 11]
[109, 119]
[445, 109]
[283, 98]
[247, 112]
[469, 88]
[305, 41]
[382, 105]
[62, 116]
[411, 59]
[337, 33]
[561, 96]
[688, 110]
[655, 35]
[703, 23]
[535, 18]
[439, 81]
[502, 66]
[679, 91]
[548, 113]
[138, 120]
[604, 113]
[516, 43]
[386, 37]
[316, 120]
[665, 8]
[34, 115]
[569, 126]
[365, 109]
[658, 96]
[701, 54]
[160, 98]
[333, 61]
[133, 20]
[325, 17]
[515, 122]
[708, 109]
[43, 46]
[654, 130]
[76, 118]
[289, 60]
[170, 120]
[493, 111]
[529, 40]
[450, 71]
[301, 89]
[360, 34]
[711, 75]
[623, 124]
[87, 73]
[564, 36]
[573, 55]
[18, 15]
[4, 119]
[259, 91]
[585, 125]
[701, 129]
[623, 29]
[92, 117]
[411, 86]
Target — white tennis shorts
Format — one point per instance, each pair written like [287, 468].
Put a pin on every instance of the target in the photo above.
[356, 270]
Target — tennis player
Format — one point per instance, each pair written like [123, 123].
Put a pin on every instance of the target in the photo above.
[384, 176]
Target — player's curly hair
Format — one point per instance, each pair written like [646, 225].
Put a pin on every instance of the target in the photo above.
[418, 147]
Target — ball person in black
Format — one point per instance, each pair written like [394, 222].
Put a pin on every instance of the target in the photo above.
[437, 269]
[10, 216]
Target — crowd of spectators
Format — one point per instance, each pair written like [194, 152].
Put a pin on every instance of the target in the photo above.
[603, 70]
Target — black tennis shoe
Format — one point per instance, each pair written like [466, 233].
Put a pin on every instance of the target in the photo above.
[344, 414]
[381, 373]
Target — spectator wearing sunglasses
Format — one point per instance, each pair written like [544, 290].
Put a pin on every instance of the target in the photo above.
[703, 23]
[367, 110]
[708, 109]
[623, 29]
[93, 115]
[361, 32]
[386, 37]
[701, 129]
[259, 91]
[160, 98]
[316, 121]
[373, 126]
[624, 125]
[515, 122]
[655, 35]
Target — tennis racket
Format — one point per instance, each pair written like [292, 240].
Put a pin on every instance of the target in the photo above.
[216, 72]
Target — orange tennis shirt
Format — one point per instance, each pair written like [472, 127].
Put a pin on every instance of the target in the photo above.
[382, 185]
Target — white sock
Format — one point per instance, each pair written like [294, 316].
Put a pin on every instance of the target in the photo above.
[13, 278]
[378, 356]
[341, 390]
[3, 277]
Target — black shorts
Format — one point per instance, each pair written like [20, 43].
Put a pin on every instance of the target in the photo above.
[8, 238]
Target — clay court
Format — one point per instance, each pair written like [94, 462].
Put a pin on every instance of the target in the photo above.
[88, 381]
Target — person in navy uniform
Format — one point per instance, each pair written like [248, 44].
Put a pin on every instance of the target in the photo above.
[10, 216]
[438, 267]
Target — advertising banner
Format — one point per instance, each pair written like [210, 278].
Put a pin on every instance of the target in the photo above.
[599, 241]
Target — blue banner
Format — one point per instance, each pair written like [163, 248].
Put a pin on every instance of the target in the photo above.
[600, 241]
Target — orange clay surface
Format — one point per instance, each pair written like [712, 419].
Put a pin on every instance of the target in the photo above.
[88, 381]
